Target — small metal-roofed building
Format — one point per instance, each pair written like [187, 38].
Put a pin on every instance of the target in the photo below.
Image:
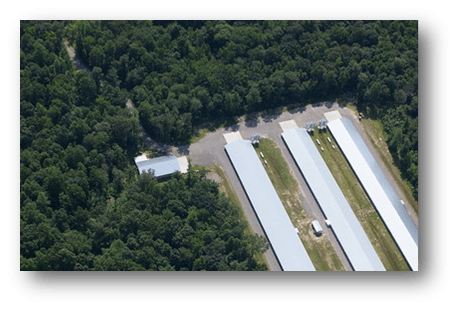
[332, 202]
[378, 188]
[275, 221]
[161, 167]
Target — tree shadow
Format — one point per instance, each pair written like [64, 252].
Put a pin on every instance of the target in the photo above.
[161, 147]
[233, 127]
[299, 109]
[252, 123]
[271, 117]
[153, 144]
[327, 104]
[184, 150]
[226, 123]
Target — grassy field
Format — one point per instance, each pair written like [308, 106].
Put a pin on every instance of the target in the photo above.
[319, 249]
[366, 214]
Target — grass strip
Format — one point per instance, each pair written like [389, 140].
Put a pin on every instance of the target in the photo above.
[320, 250]
[368, 217]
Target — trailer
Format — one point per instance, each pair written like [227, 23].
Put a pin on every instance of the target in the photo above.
[317, 227]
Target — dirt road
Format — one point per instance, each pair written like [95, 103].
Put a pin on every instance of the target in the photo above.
[78, 64]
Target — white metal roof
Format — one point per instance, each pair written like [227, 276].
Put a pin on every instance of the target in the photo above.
[331, 200]
[279, 229]
[140, 158]
[162, 166]
[378, 188]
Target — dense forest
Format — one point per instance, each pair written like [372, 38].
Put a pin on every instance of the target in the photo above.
[185, 73]
[83, 205]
